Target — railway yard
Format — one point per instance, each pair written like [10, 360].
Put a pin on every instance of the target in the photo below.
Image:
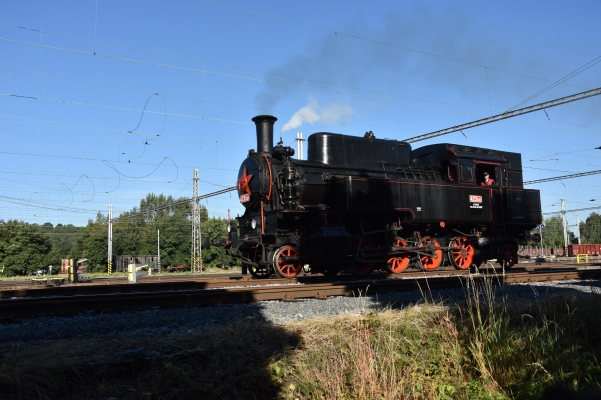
[24, 301]
[224, 336]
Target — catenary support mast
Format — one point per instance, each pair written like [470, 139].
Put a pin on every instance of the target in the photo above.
[196, 236]
[110, 239]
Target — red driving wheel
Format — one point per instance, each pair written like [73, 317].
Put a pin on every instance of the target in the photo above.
[399, 263]
[430, 263]
[287, 268]
[462, 252]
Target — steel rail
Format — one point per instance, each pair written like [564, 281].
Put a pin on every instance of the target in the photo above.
[22, 307]
[150, 285]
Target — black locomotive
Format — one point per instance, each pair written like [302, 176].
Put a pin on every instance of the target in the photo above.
[362, 203]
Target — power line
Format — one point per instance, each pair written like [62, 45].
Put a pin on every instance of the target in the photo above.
[560, 81]
[272, 73]
[370, 40]
[321, 90]
[572, 211]
[558, 178]
[508, 114]
[186, 201]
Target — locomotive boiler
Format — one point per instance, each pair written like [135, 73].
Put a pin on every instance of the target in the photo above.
[362, 203]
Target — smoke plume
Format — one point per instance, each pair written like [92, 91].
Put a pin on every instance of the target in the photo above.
[311, 113]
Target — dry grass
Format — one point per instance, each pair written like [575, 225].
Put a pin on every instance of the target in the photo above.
[480, 350]
[390, 355]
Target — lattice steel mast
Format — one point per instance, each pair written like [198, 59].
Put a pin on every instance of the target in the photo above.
[196, 235]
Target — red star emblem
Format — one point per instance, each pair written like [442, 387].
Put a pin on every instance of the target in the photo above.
[242, 183]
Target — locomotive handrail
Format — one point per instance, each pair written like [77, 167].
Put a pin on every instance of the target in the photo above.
[464, 234]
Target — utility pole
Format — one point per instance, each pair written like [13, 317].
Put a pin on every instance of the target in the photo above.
[578, 229]
[110, 237]
[196, 235]
[158, 251]
[565, 228]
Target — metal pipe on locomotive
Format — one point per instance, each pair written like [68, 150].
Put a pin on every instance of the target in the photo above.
[361, 203]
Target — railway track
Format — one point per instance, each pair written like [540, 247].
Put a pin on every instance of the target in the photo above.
[120, 285]
[75, 299]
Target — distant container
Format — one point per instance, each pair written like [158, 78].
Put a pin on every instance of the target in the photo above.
[590, 249]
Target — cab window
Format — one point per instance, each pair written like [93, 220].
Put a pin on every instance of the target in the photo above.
[466, 173]
[449, 171]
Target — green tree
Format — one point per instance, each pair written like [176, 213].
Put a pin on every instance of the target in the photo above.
[23, 247]
[93, 244]
[65, 240]
[553, 232]
[216, 230]
[135, 233]
[590, 230]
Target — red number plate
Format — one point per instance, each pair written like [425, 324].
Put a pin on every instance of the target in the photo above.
[475, 199]
[244, 198]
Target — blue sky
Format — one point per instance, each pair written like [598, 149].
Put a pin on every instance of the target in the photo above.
[77, 76]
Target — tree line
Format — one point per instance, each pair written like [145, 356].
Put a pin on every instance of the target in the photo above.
[590, 231]
[26, 248]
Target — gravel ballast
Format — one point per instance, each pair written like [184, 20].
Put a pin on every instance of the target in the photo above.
[163, 321]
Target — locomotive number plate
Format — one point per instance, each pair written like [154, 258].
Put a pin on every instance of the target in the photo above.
[244, 198]
[475, 199]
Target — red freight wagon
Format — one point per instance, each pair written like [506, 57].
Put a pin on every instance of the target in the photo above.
[590, 249]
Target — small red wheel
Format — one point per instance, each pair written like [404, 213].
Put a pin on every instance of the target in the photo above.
[430, 263]
[399, 263]
[462, 252]
[508, 256]
[287, 268]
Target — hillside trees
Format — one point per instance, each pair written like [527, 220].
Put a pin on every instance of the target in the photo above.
[23, 247]
[94, 244]
[65, 240]
[135, 233]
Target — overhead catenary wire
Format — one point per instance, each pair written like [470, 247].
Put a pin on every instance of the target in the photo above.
[272, 73]
[558, 178]
[204, 100]
[508, 114]
[322, 90]
[187, 201]
[572, 74]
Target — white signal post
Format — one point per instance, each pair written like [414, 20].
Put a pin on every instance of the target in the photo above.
[565, 227]
[578, 229]
[540, 229]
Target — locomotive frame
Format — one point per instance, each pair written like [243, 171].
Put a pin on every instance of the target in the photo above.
[361, 203]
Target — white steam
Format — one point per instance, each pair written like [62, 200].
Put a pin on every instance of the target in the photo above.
[312, 112]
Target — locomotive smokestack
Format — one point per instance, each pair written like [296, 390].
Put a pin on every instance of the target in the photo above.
[264, 125]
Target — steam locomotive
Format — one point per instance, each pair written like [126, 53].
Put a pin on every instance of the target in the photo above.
[362, 203]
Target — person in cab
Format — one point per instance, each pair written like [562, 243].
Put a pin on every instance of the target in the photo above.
[487, 180]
